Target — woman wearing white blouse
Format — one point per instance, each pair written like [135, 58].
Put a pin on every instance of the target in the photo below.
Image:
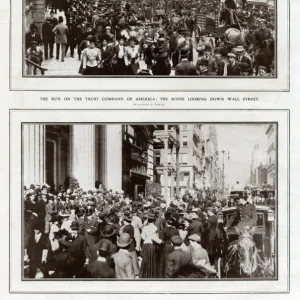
[132, 57]
[91, 57]
[149, 253]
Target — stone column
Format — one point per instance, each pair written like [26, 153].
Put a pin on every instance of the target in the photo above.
[38, 12]
[33, 154]
[165, 164]
[113, 157]
[83, 155]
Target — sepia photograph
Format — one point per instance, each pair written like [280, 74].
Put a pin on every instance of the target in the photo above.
[146, 201]
[160, 38]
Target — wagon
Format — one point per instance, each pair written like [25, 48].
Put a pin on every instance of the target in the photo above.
[264, 236]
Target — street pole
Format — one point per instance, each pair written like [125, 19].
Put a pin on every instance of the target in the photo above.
[223, 174]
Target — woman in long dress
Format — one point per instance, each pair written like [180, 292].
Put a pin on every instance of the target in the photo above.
[149, 253]
[166, 248]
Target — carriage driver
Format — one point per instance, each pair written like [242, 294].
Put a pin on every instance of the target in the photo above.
[244, 215]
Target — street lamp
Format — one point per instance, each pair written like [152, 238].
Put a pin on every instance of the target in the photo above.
[223, 170]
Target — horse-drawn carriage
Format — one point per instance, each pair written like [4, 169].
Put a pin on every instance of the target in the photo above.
[251, 252]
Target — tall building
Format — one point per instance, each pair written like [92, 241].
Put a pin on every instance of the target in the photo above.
[271, 153]
[197, 159]
[137, 158]
[118, 156]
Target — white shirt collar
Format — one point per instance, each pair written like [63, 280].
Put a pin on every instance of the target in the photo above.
[101, 259]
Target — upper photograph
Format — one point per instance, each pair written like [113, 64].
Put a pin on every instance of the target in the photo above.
[155, 38]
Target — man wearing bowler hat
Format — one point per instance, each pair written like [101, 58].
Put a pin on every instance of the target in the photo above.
[122, 259]
[185, 68]
[108, 234]
[77, 247]
[212, 64]
[162, 65]
[178, 258]
[100, 268]
[38, 251]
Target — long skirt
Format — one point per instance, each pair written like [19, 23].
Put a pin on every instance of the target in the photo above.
[149, 262]
[164, 251]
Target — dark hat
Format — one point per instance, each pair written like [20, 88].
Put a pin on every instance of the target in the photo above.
[184, 52]
[176, 240]
[32, 25]
[262, 67]
[92, 39]
[244, 67]
[161, 53]
[203, 62]
[207, 48]
[219, 50]
[74, 225]
[127, 216]
[150, 215]
[104, 245]
[37, 225]
[108, 231]
[144, 72]
[124, 240]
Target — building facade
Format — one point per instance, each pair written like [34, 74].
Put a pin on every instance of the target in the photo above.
[196, 160]
[137, 158]
[271, 154]
[90, 153]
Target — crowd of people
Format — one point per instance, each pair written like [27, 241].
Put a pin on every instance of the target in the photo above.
[101, 234]
[114, 37]
[104, 234]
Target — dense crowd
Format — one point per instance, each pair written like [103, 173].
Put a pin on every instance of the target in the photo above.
[114, 37]
[104, 234]
[101, 234]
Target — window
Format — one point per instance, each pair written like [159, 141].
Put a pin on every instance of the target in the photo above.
[185, 141]
[184, 127]
[184, 158]
[157, 160]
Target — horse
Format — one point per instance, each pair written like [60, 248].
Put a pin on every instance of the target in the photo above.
[242, 258]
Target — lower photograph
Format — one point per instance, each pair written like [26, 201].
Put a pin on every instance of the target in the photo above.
[142, 201]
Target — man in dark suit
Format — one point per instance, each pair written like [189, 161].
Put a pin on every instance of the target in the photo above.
[71, 36]
[48, 38]
[233, 65]
[185, 68]
[196, 226]
[32, 36]
[162, 65]
[203, 67]
[38, 251]
[77, 247]
[91, 229]
[108, 234]
[80, 34]
[212, 64]
[178, 258]
[220, 61]
[244, 58]
[106, 56]
[100, 268]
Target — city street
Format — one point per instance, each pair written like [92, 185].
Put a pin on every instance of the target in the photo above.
[150, 190]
